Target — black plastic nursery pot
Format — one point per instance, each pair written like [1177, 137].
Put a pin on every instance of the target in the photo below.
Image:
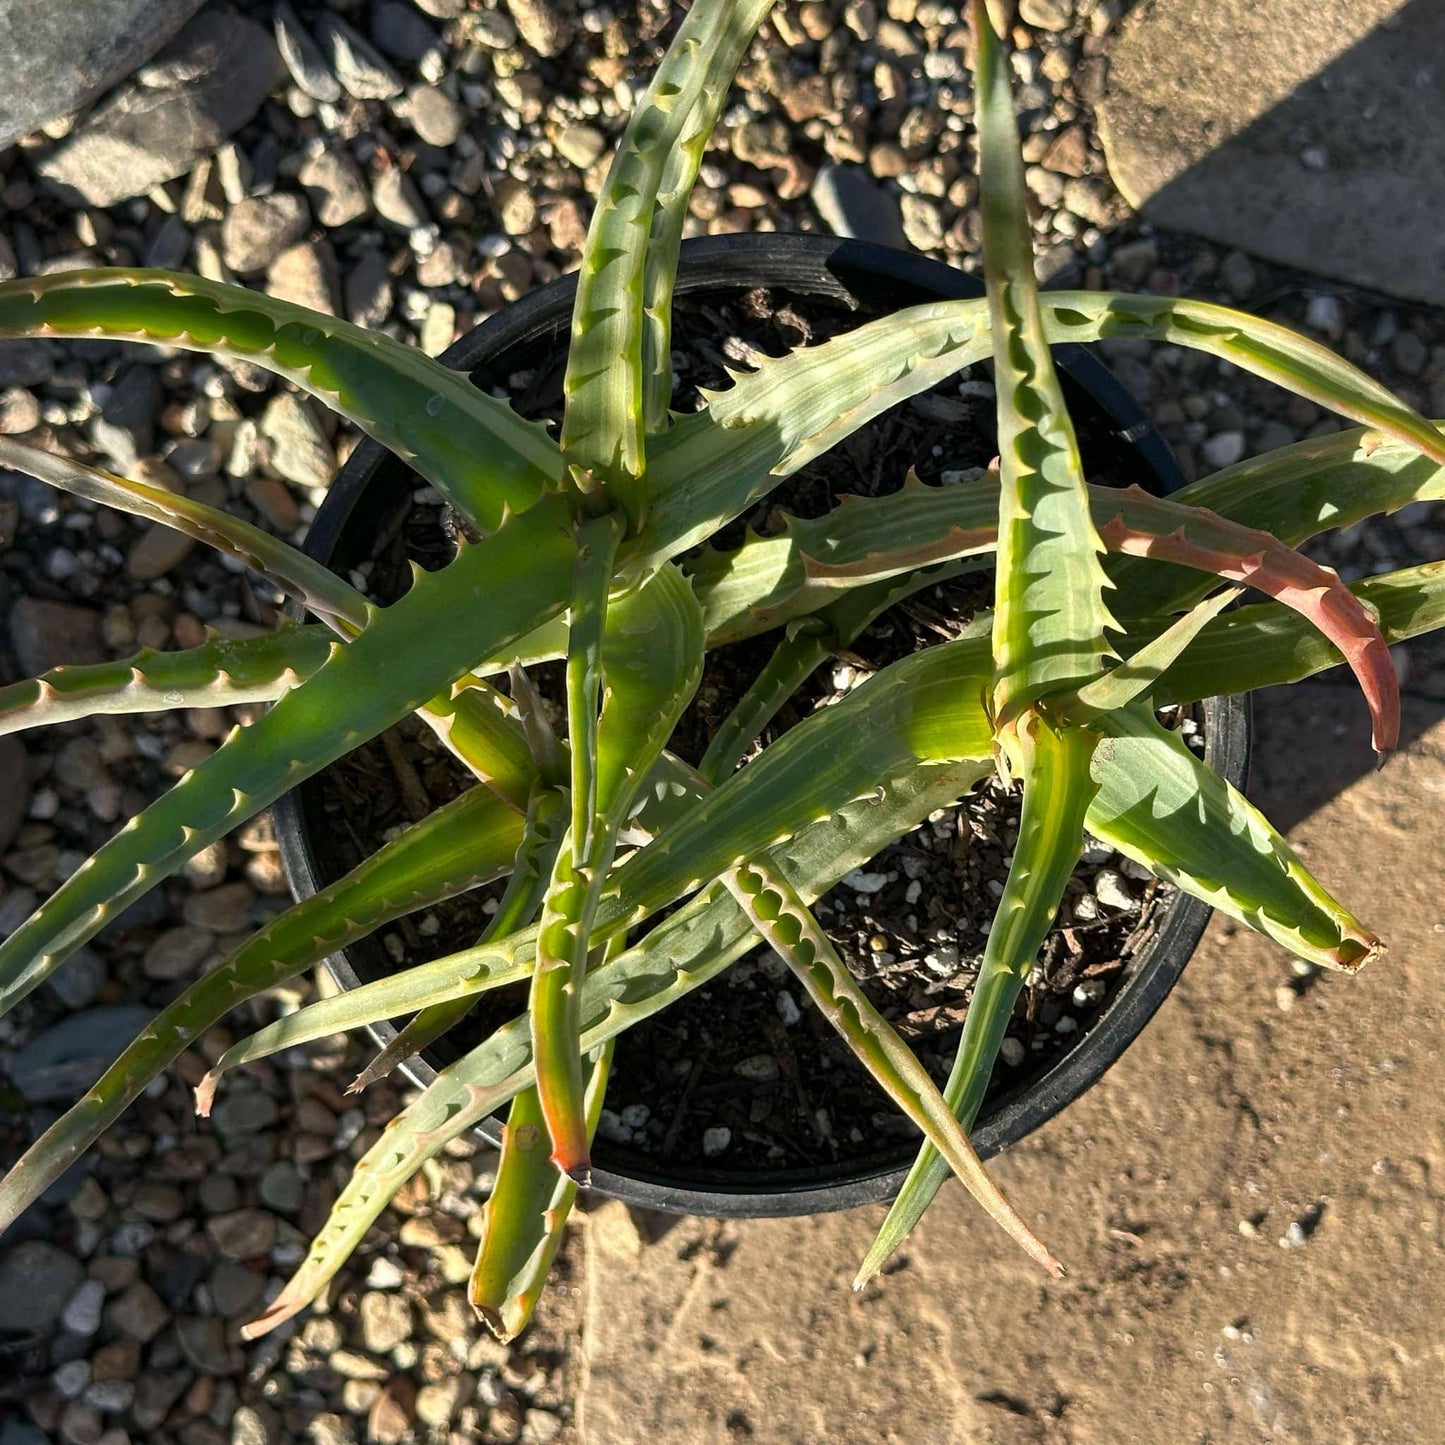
[532, 333]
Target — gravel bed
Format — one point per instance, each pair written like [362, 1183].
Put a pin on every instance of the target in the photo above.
[415, 167]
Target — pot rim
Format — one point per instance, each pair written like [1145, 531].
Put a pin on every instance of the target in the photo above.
[819, 265]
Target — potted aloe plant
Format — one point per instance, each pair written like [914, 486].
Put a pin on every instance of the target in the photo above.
[581, 547]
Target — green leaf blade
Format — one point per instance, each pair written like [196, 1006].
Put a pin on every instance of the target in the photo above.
[1049, 612]
[484, 458]
[1058, 791]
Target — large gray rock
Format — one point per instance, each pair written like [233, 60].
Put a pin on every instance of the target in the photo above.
[67, 1058]
[36, 1281]
[57, 57]
[203, 87]
[1306, 131]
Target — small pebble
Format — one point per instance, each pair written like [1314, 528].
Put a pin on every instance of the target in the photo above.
[716, 1140]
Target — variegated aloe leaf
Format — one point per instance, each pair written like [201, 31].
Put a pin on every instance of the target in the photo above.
[790, 574]
[814, 561]
[465, 844]
[220, 673]
[603, 422]
[1262, 347]
[1266, 645]
[1058, 791]
[471, 718]
[1141, 669]
[649, 656]
[474, 449]
[922, 713]
[709, 468]
[783, 921]
[526, 1212]
[403, 655]
[531, 868]
[1209, 543]
[292, 571]
[1296, 492]
[669, 215]
[1163, 807]
[683, 952]
[355, 1008]
[1049, 612]
[580, 864]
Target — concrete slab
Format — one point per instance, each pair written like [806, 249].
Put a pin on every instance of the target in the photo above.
[1192, 1311]
[1310, 132]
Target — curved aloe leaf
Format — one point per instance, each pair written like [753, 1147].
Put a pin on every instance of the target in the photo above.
[396, 663]
[604, 416]
[783, 921]
[353, 1009]
[919, 525]
[680, 168]
[570, 902]
[687, 949]
[526, 1212]
[1262, 347]
[472, 719]
[541, 837]
[1163, 807]
[1049, 613]
[461, 846]
[804, 647]
[649, 655]
[1296, 492]
[1265, 645]
[813, 562]
[1058, 791]
[292, 571]
[709, 468]
[474, 449]
[1209, 543]
[1141, 670]
[220, 673]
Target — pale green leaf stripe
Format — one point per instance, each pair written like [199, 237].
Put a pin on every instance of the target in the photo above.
[670, 213]
[404, 654]
[465, 844]
[603, 416]
[220, 673]
[687, 949]
[473, 448]
[1058, 790]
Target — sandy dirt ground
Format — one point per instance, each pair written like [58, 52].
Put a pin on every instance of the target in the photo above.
[1251, 1205]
